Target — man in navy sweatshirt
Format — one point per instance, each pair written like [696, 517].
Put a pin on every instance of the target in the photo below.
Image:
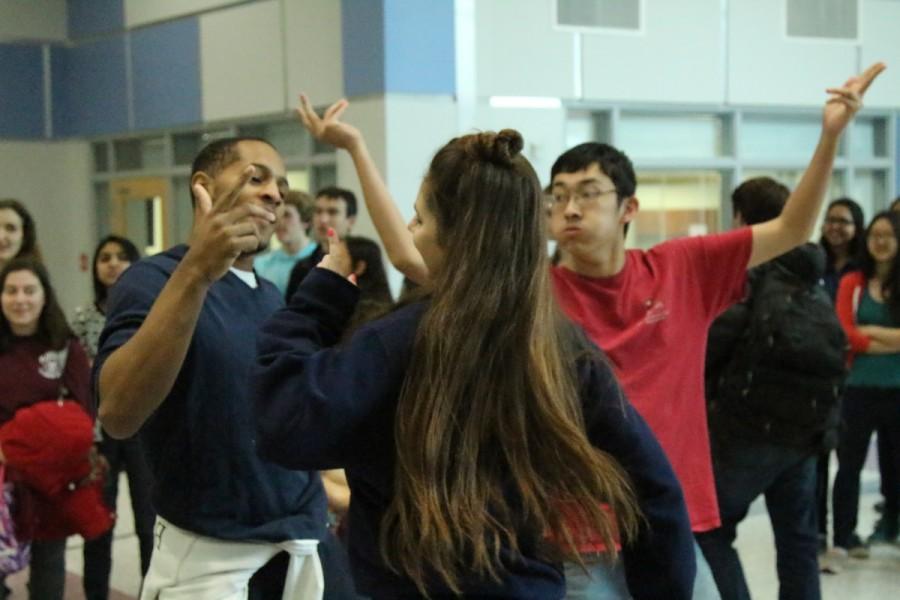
[174, 362]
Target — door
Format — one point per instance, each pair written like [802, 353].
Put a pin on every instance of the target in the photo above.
[140, 210]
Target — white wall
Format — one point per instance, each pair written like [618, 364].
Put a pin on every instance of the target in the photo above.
[44, 20]
[677, 58]
[880, 23]
[53, 181]
[707, 52]
[518, 53]
[765, 67]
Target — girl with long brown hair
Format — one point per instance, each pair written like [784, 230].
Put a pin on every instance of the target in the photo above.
[478, 425]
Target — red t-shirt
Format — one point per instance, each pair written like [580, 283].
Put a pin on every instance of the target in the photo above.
[651, 320]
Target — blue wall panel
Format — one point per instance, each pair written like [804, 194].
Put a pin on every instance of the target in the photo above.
[21, 91]
[93, 17]
[362, 28]
[89, 88]
[166, 74]
[420, 49]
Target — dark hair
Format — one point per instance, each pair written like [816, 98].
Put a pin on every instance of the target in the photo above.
[131, 252]
[472, 476]
[347, 196]
[759, 199]
[857, 245]
[29, 231]
[614, 163]
[53, 330]
[895, 205]
[219, 154]
[375, 297]
[891, 286]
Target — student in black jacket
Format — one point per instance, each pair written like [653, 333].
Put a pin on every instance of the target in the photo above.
[475, 427]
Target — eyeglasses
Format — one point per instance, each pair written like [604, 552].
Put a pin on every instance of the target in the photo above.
[582, 197]
[882, 237]
[838, 221]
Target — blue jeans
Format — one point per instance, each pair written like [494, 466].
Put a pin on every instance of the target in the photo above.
[606, 581]
[787, 477]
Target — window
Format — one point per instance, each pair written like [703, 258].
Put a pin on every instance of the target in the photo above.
[623, 15]
[675, 204]
[828, 19]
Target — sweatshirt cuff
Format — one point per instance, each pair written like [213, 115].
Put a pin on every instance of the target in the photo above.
[326, 285]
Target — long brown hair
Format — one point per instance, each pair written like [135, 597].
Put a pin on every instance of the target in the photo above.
[490, 436]
[53, 329]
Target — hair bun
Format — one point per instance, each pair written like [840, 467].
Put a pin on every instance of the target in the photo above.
[499, 148]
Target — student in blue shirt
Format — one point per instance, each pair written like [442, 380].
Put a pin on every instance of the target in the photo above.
[175, 361]
[292, 231]
[478, 425]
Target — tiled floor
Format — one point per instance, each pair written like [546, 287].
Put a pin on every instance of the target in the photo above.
[877, 578]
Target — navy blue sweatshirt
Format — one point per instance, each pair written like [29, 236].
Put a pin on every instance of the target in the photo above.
[200, 442]
[321, 406]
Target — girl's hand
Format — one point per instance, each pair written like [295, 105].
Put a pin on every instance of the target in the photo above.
[329, 128]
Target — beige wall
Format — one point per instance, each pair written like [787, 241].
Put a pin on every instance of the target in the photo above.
[53, 180]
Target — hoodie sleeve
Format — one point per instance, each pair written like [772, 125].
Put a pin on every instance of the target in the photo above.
[321, 406]
[849, 290]
[660, 561]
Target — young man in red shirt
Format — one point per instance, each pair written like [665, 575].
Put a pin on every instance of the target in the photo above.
[648, 310]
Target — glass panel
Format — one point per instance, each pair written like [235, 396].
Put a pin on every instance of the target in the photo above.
[128, 154]
[324, 176]
[675, 204]
[153, 152]
[647, 135]
[182, 210]
[101, 156]
[615, 14]
[185, 147]
[103, 210]
[298, 179]
[869, 138]
[774, 136]
[870, 189]
[289, 137]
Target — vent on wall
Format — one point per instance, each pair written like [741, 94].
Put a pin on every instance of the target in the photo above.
[823, 19]
[622, 15]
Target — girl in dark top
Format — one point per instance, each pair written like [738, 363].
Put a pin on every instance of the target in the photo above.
[475, 427]
[18, 237]
[38, 355]
[843, 239]
[113, 255]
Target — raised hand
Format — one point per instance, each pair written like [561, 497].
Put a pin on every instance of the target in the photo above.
[224, 230]
[845, 101]
[338, 258]
[329, 128]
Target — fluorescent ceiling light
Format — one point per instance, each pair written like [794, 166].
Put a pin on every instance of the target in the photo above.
[524, 102]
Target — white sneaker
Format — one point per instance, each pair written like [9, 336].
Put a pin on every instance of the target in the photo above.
[833, 561]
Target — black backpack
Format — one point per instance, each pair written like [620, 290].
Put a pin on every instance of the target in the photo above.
[785, 379]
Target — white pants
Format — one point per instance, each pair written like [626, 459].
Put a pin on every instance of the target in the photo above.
[187, 566]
